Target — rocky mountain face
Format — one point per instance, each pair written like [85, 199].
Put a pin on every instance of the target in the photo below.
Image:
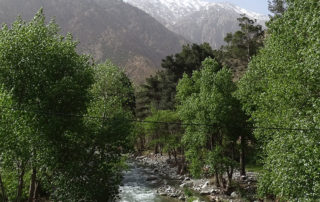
[197, 20]
[106, 29]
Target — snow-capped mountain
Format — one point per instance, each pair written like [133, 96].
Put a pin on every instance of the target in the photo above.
[168, 10]
[171, 10]
[197, 20]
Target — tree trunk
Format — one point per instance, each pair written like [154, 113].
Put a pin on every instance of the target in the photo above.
[156, 151]
[21, 182]
[33, 186]
[217, 182]
[222, 181]
[3, 191]
[230, 174]
[175, 157]
[242, 157]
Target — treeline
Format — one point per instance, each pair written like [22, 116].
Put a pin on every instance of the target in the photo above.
[190, 111]
[63, 128]
[255, 100]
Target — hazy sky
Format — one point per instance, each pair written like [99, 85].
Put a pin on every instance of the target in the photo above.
[259, 6]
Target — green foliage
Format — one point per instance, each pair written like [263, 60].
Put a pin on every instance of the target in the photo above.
[167, 136]
[159, 91]
[10, 182]
[206, 98]
[281, 90]
[114, 100]
[241, 46]
[15, 146]
[107, 137]
[188, 60]
[46, 90]
[277, 7]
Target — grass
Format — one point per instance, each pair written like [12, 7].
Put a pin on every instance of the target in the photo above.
[254, 168]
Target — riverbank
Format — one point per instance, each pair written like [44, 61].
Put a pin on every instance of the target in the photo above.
[183, 187]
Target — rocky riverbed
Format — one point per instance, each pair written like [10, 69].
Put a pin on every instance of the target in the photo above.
[182, 186]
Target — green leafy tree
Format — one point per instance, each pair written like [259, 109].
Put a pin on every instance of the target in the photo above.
[281, 90]
[206, 98]
[188, 60]
[159, 91]
[277, 7]
[164, 131]
[47, 78]
[107, 136]
[15, 149]
[241, 46]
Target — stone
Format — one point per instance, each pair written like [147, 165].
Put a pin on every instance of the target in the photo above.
[243, 177]
[215, 191]
[163, 194]
[151, 178]
[234, 195]
[205, 192]
[186, 184]
[173, 195]
[212, 198]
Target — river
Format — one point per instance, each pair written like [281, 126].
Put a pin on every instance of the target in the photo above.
[137, 186]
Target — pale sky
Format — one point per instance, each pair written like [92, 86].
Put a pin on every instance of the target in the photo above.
[259, 6]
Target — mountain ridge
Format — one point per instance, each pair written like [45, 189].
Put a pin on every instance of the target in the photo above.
[106, 29]
[182, 16]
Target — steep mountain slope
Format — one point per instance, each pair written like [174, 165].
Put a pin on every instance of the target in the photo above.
[168, 11]
[197, 20]
[107, 29]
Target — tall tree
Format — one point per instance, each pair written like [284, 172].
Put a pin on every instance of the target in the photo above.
[108, 136]
[159, 91]
[47, 79]
[206, 99]
[277, 7]
[241, 46]
[188, 60]
[281, 90]
[164, 137]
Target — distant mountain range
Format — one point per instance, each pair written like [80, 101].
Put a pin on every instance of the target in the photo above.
[107, 29]
[134, 34]
[197, 20]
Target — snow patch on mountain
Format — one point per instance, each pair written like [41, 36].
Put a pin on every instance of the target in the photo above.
[169, 11]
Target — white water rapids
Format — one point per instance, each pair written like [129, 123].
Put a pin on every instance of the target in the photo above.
[136, 188]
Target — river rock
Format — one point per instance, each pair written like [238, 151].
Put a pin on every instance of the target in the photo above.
[205, 192]
[206, 184]
[234, 195]
[243, 177]
[163, 194]
[152, 178]
[173, 195]
[215, 191]
[140, 157]
[186, 184]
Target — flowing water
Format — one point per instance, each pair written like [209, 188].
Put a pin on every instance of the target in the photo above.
[140, 185]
